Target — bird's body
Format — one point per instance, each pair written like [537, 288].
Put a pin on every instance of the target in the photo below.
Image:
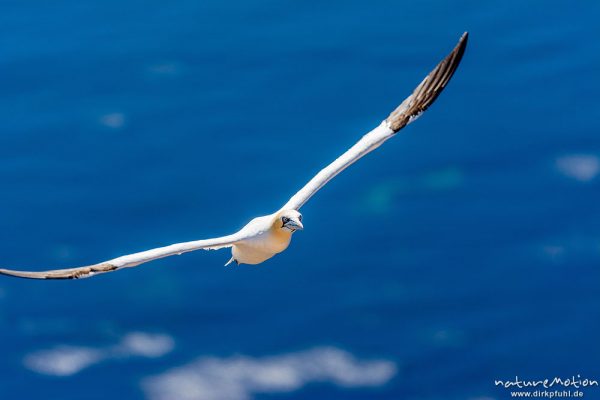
[265, 236]
[269, 238]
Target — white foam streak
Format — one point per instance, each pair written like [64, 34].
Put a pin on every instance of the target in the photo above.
[146, 345]
[62, 360]
[239, 377]
[113, 120]
[581, 167]
[69, 360]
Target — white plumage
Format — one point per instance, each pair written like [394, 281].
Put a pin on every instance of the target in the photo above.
[265, 236]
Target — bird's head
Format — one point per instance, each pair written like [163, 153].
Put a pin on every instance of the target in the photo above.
[289, 220]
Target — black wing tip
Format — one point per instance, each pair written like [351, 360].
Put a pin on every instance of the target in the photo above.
[69, 273]
[461, 46]
[22, 274]
[429, 89]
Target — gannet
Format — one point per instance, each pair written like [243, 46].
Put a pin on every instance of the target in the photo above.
[266, 236]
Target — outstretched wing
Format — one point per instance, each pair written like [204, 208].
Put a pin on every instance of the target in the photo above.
[410, 109]
[131, 260]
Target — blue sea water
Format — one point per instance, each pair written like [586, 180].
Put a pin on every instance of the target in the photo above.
[466, 249]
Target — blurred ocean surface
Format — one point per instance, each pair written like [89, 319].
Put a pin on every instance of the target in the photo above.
[464, 250]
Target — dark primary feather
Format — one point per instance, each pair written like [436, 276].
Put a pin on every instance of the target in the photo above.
[70, 273]
[431, 87]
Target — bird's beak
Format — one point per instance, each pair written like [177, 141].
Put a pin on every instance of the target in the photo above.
[294, 225]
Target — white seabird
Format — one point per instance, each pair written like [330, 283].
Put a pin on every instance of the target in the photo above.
[263, 237]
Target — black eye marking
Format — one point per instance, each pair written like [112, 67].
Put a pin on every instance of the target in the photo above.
[300, 218]
[285, 220]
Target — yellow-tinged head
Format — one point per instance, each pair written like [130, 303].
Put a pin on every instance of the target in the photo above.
[288, 221]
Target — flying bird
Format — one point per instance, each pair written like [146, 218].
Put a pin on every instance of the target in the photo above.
[265, 236]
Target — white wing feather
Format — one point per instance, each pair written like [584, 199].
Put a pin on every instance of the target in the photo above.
[131, 260]
[410, 109]
[367, 144]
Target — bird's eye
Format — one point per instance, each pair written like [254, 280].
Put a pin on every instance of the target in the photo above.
[285, 220]
[300, 218]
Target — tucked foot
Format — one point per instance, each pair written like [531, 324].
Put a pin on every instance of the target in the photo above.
[232, 260]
